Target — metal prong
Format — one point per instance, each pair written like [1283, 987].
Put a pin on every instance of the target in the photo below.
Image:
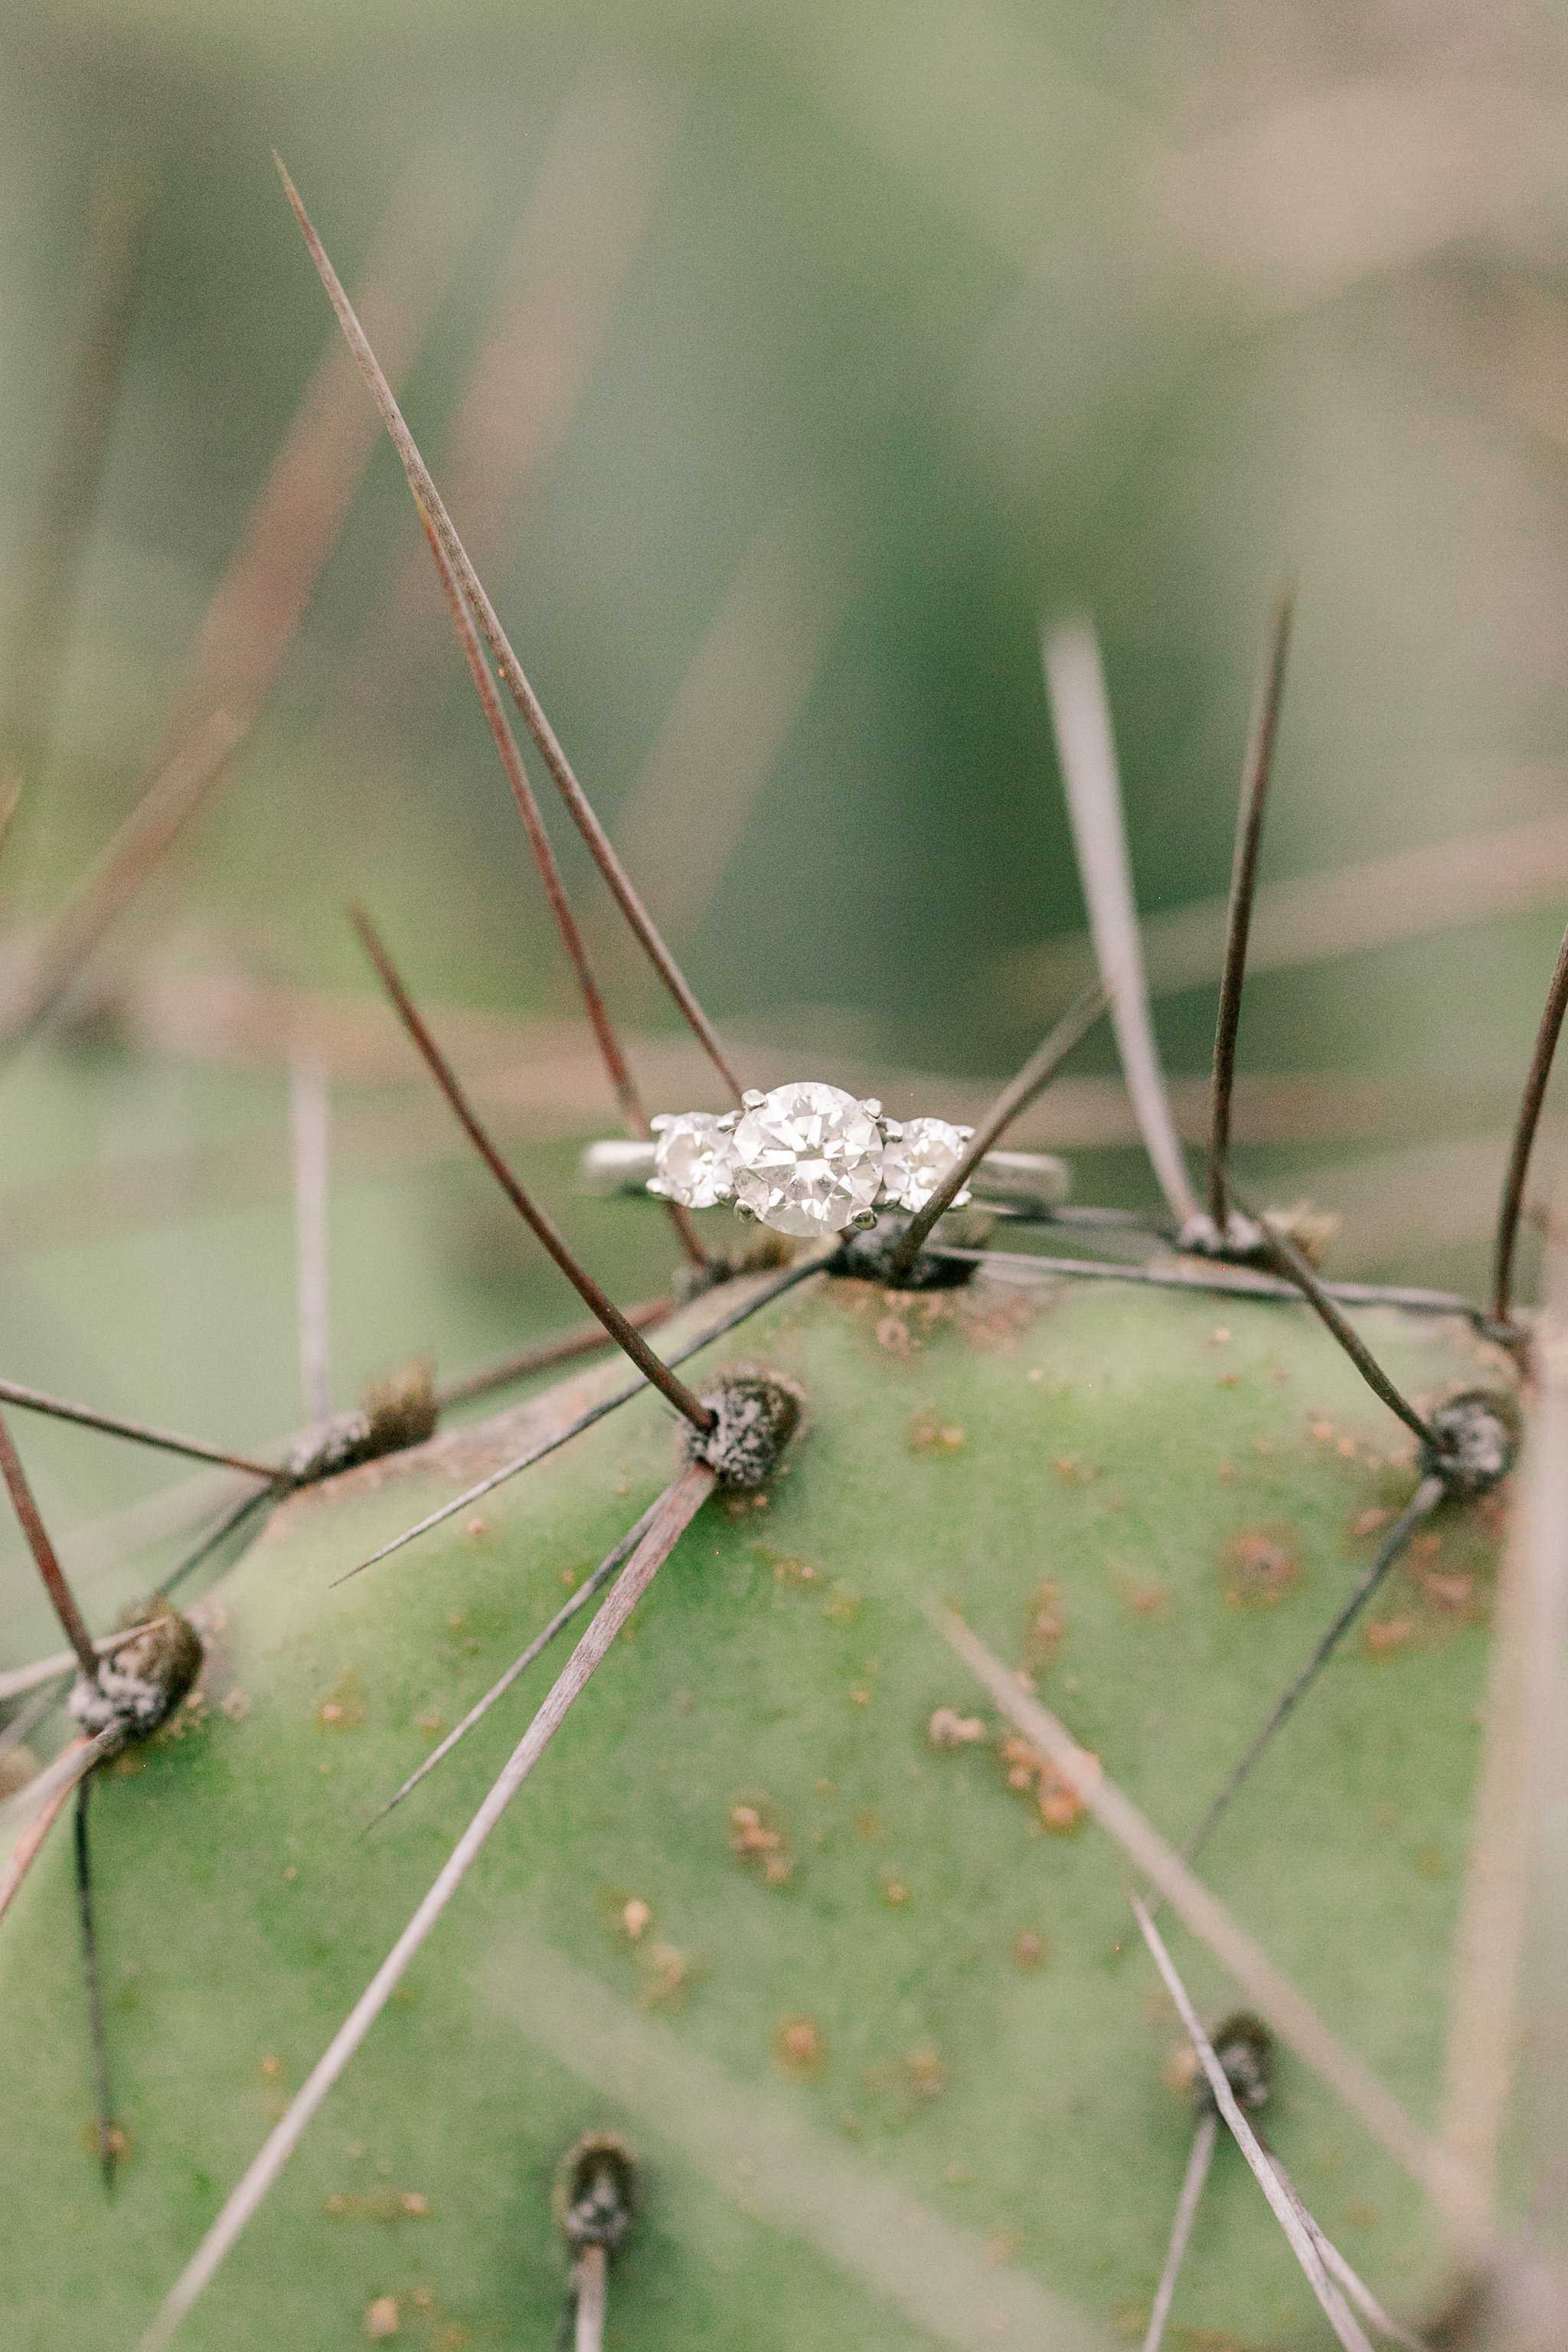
[863, 1220]
[871, 1107]
[754, 1098]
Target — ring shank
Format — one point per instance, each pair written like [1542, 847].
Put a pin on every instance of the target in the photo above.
[620, 1165]
[1026, 1183]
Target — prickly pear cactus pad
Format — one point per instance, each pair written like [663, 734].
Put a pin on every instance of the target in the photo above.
[787, 1903]
[795, 1979]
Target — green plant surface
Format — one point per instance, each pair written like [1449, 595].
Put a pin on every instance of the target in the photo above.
[1152, 1500]
[151, 1272]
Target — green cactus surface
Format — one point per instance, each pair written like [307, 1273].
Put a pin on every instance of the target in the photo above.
[871, 2009]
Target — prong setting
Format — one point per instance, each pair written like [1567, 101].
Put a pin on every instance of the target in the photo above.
[810, 1160]
[694, 1160]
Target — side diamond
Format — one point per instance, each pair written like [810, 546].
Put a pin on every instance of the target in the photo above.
[693, 1160]
[916, 1162]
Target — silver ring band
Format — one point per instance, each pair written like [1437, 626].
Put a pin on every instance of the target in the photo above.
[811, 1160]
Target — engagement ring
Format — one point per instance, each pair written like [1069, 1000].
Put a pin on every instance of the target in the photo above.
[811, 1159]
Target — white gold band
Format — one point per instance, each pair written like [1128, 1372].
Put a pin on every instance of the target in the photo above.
[811, 1160]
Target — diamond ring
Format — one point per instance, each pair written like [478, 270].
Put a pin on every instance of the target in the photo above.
[809, 1159]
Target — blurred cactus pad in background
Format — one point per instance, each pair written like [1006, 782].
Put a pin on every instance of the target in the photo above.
[785, 374]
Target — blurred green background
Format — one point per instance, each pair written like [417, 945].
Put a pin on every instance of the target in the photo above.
[782, 366]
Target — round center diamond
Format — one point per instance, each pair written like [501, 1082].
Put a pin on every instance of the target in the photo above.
[808, 1158]
[922, 1159]
[693, 1160]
